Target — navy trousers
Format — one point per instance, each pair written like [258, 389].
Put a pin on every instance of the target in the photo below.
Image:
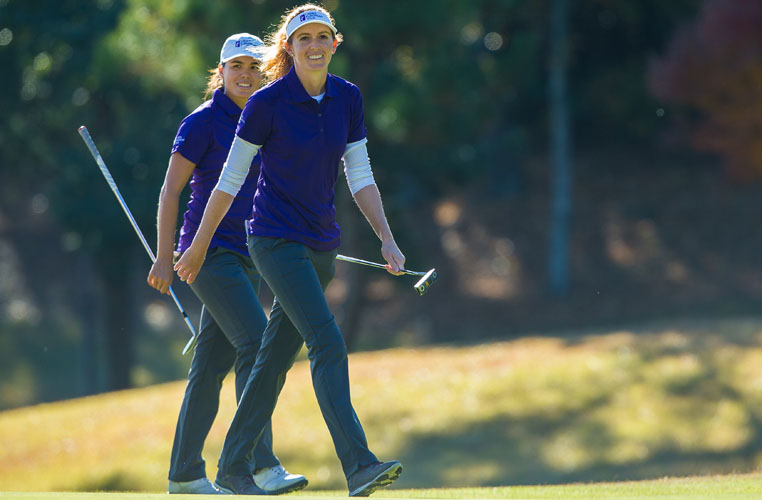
[298, 276]
[230, 334]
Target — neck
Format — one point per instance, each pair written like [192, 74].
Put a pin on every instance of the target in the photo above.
[312, 81]
[240, 101]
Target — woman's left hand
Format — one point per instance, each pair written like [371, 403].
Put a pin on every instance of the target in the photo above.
[395, 260]
[189, 264]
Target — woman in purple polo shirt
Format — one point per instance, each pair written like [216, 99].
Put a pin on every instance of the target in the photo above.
[232, 320]
[303, 124]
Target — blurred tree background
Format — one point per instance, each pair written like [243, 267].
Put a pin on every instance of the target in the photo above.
[657, 104]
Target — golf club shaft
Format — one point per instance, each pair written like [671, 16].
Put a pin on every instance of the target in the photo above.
[105, 171]
[374, 264]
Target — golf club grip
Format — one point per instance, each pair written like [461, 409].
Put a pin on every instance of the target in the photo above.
[374, 264]
[85, 134]
[360, 261]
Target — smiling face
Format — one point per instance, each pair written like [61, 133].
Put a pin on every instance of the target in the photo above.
[312, 47]
[242, 77]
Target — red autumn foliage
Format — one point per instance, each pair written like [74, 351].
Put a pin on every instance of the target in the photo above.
[713, 67]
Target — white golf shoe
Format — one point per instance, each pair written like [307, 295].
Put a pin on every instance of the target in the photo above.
[196, 487]
[277, 480]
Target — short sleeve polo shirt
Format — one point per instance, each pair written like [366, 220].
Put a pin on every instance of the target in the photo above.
[204, 138]
[302, 145]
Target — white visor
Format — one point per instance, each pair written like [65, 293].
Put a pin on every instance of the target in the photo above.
[242, 44]
[307, 17]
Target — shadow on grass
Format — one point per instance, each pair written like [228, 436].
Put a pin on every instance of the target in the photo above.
[509, 452]
[568, 446]
[115, 481]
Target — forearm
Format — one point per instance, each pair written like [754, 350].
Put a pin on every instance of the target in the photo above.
[166, 224]
[368, 199]
[218, 205]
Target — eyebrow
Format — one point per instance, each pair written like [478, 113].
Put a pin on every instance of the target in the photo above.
[240, 61]
[321, 32]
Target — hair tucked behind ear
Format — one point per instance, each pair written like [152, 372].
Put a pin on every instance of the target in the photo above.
[277, 62]
[213, 83]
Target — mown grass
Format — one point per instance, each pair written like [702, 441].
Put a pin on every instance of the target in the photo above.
[705, 488]
[667, 400]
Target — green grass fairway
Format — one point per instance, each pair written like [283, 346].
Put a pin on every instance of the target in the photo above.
[740, 487]
[583, 410]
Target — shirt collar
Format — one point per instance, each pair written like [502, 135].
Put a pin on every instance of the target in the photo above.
[226, 103]
[330, 87]
[296, 89]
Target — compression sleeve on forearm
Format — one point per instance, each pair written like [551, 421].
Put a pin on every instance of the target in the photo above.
[236, 167]
[357, 166]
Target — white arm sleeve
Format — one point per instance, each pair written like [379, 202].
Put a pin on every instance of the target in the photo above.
[357, 166]
[236, 167]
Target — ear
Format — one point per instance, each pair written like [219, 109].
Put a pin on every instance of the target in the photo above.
[287, 48]
[219, 68]
[335, 45]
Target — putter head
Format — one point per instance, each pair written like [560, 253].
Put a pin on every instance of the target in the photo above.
[426, 281]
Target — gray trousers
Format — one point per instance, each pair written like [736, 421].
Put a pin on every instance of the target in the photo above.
[230, 333]
[297, 275]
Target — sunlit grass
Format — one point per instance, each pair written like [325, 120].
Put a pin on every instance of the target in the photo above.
[664, 401]
[738, 487]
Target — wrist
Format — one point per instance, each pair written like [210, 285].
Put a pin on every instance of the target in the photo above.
[164, 256]
[198, 246]
[386, 238]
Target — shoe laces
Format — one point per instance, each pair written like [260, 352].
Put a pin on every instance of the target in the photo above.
[275, 470]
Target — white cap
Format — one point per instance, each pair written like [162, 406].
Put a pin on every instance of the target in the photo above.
[307, 17]
[242, 44]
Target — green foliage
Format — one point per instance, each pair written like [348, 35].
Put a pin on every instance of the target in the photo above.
[46, 59]
[441, 85]
[454, 94]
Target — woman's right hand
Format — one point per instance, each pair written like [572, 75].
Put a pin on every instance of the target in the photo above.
[161, 275]
[395, 260]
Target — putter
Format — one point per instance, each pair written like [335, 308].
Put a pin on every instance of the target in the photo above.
[423, 284]
[104, 170]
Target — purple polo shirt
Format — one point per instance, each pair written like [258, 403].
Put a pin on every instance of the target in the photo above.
[302, 145]
[204, 138]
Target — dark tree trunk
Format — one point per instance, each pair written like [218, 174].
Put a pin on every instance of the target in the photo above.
[89, 308]
[560, 148]
[119, 301]
[119, 338]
